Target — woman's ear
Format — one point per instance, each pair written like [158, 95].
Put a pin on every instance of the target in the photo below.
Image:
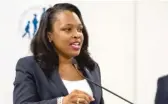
[49, 35]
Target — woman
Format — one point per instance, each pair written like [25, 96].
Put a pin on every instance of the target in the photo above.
[60, 65]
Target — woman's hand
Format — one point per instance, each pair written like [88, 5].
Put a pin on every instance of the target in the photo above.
[77, 97]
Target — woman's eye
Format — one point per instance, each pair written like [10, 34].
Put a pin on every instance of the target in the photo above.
[80, 29]
[67, 29]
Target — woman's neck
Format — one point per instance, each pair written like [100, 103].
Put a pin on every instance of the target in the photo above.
[65, 61]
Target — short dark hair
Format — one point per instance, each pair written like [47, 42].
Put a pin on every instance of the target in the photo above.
[44, 51]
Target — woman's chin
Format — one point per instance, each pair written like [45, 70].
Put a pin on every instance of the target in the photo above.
[74, 54]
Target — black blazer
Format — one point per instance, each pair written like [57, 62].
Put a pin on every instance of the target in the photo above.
[162, 91]
[31, 86]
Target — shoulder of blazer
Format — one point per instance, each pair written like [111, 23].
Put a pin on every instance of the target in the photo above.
[163, 83]
[163, 78]
[25, 63]
[24, 69]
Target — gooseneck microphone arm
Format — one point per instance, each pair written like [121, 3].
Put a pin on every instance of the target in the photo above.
[109, 91]
[76, 67]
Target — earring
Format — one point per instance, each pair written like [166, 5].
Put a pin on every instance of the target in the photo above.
[50, 40]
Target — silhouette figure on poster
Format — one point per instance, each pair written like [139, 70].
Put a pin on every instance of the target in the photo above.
[35, 23]
[27, 29]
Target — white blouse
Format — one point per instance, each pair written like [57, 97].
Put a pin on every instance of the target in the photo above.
[81, 85]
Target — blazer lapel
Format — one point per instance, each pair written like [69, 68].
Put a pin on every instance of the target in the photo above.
[93, 87]
[58, 83]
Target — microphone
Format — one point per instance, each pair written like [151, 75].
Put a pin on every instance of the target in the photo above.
[74, 63]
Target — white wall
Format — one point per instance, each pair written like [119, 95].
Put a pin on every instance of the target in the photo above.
[111, 28]
[151, 47]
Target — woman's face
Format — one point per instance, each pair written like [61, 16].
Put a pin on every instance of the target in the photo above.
[67, 34]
